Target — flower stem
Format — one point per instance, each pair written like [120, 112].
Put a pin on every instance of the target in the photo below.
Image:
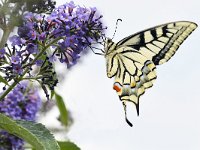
[8, 90]
[5, 36]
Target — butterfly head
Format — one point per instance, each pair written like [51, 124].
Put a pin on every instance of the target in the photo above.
[109, 46]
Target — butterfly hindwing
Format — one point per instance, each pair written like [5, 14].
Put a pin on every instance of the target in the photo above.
[135, 73]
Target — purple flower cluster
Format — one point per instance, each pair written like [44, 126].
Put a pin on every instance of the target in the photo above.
[43, 39]
[79, 26]
[20, 104]
[73, 28]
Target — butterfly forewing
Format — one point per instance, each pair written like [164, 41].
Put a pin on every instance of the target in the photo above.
[159, 43]
[132, 61]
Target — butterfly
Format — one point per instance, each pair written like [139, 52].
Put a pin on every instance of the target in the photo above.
[133, 60]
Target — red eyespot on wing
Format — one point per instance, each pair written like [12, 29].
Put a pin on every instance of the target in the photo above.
[116, 88]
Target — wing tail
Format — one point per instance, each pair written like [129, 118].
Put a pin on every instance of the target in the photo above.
[129, 123]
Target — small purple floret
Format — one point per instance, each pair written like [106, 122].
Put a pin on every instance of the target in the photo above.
[15, 59]
[2, 52]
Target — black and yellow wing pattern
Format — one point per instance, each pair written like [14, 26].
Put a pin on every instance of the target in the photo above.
[132, 61]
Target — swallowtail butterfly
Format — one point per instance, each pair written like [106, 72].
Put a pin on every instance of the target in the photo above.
[133, 60]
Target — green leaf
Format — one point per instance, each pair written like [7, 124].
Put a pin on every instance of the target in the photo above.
[68, 145]
[52, 93]
[3, 80]
[64, 116]
[34, 133]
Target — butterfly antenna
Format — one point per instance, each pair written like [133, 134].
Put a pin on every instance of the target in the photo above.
[116, 27]
[129, 123]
